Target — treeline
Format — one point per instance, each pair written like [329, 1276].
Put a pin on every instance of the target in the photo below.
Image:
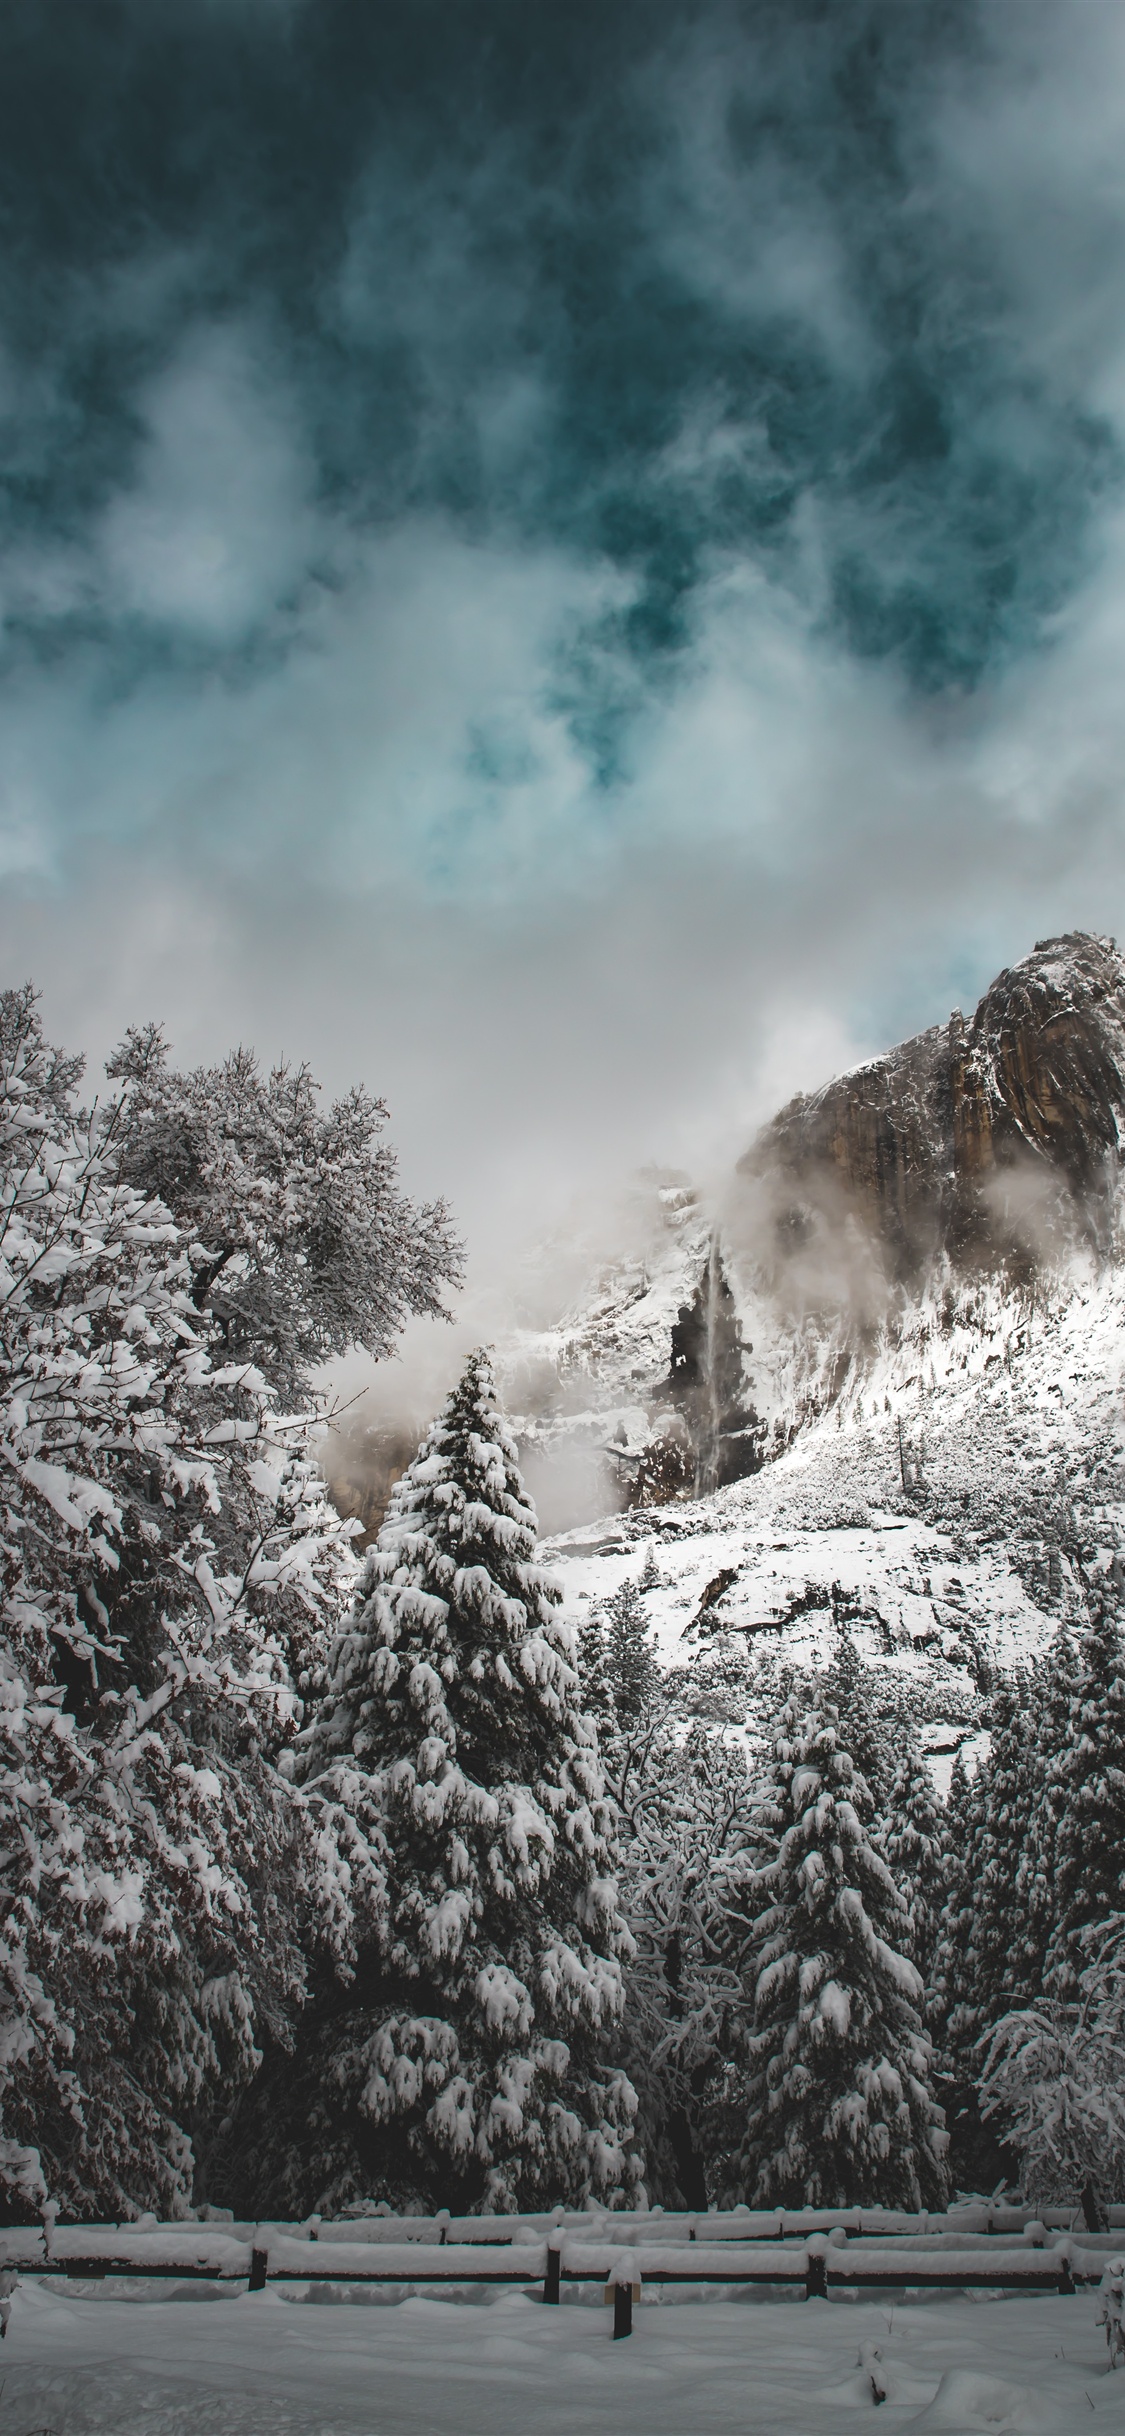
[844, 1990]
[325, 1886]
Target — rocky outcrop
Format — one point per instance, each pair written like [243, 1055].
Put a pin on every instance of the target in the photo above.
[707, 1385]
[983, 1141]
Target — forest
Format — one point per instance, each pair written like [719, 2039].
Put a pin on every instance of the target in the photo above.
[332, 1881]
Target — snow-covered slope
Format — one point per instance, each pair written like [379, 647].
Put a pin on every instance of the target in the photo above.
[955, 1506]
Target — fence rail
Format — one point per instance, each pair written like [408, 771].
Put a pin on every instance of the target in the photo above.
[823, 2250]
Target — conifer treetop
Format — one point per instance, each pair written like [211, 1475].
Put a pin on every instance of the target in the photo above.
[475, 2066]
[915, 1844]
[841, 2112]
[451, 1597]
[1086, 1777]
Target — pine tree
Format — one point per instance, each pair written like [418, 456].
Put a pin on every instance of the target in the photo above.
[1002, 1960]
[915, 1843]
[990, 1943]
[977, 2160]
[464, 2064]
[619, 1672]
[164, 1550]
[870, 1731]
[964, 1824]
[1043, 1723]
[1088, 1877]
[841, 2111]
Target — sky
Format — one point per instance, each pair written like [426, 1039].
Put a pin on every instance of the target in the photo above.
[564, 561]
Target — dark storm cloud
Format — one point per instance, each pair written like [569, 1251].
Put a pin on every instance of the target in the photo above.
[568, 559]
[661, 284]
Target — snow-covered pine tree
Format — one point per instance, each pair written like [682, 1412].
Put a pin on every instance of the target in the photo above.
[1088, 1802]
[869, 1728]
[1034, 1753]
[990, 1944]
[841, 2111]
[915, 1843]
[1000, 1958]
[977, 2161]
[155, 1528]
[964, 1821]
[468, 2061]
[169, 1570]
[618, 1671]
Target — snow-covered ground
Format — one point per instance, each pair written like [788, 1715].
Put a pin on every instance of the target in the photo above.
[933, 1511]
[154, 2364]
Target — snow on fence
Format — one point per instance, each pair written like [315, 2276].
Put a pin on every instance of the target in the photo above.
[1001, 2249]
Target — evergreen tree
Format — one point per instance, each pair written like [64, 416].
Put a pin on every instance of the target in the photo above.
[963, 1826]
[167, 1561]
[915, 1843]
[1044, 1722]
[841, 2111]
[990, 1942]
[619, 1672]
[1088, 1876]
[464, 2064]
[977, 2160]
[998, 1959]
[869, 1728]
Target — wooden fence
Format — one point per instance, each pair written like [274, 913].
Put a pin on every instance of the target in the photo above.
[1001, 2249]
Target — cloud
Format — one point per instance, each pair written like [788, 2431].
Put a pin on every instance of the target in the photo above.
[216, 530]
[568, 565]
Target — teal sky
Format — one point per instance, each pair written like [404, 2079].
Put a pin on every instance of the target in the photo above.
[565, 560]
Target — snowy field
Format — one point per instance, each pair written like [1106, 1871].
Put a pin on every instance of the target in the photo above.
[190, 2363]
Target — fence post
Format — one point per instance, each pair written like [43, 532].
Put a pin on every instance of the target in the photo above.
[259, 2264]
[623, 2280]
[816, 2269]
[554, 2267]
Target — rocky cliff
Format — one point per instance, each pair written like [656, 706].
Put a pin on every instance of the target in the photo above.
[883, 1398]
[873, 1231]
[977, 1142]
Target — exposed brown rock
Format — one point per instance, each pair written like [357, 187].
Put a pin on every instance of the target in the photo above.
[979, 1141]
[363, 1466]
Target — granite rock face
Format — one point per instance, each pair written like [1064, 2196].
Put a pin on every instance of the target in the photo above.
[707, 1386]
[985, 1142]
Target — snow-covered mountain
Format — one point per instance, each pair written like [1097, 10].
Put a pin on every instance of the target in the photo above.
[882, 1385]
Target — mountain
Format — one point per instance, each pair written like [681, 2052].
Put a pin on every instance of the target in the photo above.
[881, 1389]
[973, 1143]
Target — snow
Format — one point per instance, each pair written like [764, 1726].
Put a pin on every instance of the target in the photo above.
[935, 1590]
[892, 1577]
[145, 2361]
[918, 1503]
